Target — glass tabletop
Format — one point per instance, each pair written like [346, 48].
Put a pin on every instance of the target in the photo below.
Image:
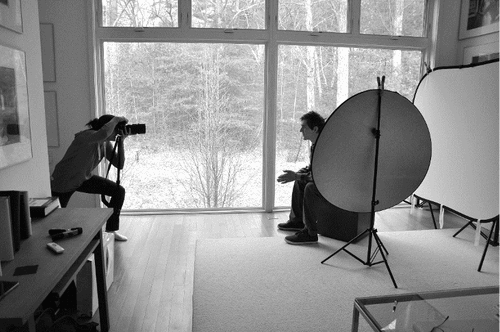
[460, 310]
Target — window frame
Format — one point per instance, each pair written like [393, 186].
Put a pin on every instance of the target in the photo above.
[271, 37]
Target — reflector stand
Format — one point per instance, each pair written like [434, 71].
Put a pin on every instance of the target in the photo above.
[364, 161]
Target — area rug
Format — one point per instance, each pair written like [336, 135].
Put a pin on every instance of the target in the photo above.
[264, 284]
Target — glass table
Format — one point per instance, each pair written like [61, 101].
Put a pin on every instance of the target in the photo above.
[458, 310]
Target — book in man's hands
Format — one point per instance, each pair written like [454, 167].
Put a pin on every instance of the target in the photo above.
[42, 207]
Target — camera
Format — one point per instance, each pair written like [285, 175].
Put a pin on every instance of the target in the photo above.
[135, 129]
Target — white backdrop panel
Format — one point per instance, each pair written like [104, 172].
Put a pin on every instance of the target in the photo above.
[461, 109]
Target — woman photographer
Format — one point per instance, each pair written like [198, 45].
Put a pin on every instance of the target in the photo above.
[89, 147]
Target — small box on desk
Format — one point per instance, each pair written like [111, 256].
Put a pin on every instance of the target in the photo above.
[86, 283]
[42, 207]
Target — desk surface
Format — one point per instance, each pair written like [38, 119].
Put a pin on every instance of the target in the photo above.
[18, 306]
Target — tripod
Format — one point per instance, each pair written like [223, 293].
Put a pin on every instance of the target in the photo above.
[372, 232]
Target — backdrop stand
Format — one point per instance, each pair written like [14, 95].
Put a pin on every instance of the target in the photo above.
[370, 258]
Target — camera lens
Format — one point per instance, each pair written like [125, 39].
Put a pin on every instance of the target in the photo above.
[136, 128]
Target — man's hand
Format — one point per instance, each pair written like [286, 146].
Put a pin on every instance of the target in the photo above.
[287, 176]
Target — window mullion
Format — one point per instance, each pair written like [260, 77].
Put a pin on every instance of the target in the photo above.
[355, 13]
[348, 40]
[271, 84]
[431, 33]
[184, 14]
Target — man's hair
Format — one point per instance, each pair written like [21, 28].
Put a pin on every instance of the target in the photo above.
[313, 119]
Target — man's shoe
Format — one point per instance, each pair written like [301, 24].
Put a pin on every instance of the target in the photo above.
[301, 237]
[291, 226]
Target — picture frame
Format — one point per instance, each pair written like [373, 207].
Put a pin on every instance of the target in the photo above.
[48, 52]
[15, 129]
[478, 17]
[51, 118]
[11, 15]
[480, 53]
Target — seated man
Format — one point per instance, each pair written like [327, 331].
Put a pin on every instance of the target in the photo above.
[306, 199]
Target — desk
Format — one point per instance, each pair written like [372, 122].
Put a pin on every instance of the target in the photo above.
[458, 310]
[55, 272]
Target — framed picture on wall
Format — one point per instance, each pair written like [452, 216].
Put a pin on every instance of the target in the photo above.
[10, 15]
[480, 53]
[15, 132]
[478, 17]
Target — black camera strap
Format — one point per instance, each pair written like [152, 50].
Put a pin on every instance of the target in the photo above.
[117, 141]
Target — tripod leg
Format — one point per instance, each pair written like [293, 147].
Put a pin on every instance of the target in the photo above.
[348, 243]
[379, 243]
[495, 224]
[382, 245]
[432, 215]
[461, 229]
[494, 240]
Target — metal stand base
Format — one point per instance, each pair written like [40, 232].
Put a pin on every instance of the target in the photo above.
[370, 258]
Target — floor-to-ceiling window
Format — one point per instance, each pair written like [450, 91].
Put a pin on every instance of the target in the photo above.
[221, 86]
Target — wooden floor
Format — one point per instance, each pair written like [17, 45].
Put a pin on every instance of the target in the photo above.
[153, 275]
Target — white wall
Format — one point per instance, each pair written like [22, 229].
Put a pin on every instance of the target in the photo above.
[72, 83]
[448, 12]
[449, 48]
[32, 175]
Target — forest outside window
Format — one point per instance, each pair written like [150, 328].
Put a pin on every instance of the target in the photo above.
[313, 15]
[393, 17]
[228, 14]
[377, 17]
[139, 13]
